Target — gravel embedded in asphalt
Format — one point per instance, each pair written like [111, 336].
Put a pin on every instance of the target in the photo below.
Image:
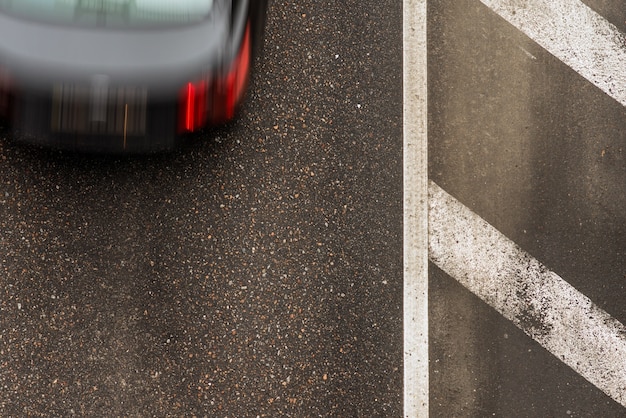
[255, 271]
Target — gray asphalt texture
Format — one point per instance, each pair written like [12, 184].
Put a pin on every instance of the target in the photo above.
[256, 271]
[537, 151]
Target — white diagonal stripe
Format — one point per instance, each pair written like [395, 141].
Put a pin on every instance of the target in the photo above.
[535, 299]
[576, 35]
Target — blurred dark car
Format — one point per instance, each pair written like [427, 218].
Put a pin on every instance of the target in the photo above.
[124, 75]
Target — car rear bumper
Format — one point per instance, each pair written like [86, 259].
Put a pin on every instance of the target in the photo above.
[46, 120]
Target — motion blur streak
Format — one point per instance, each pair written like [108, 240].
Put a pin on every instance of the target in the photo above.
[5, 92]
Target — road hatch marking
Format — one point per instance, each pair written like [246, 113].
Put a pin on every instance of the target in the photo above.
[576, 35]
[539, 302]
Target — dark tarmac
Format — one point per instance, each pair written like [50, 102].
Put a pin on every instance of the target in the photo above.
[254, 272]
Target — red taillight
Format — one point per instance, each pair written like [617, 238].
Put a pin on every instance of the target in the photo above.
[190, 107]
[218, 98]
[193, 106]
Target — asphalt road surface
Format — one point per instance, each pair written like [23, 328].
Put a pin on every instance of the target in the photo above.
[257, 271]
[538, 151]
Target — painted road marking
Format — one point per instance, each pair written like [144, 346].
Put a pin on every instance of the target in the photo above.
[543, 305]
[415, 210]
[538, 301]
[575, 34]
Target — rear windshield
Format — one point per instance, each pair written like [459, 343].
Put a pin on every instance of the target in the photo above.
[137, 13]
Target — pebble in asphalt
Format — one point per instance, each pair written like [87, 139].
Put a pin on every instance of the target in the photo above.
[257, 271]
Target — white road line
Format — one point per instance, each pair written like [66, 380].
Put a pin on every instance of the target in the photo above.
[415, 210]
[576, 35]
[538, 301]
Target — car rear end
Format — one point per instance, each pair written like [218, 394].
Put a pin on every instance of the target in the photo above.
[125, 88]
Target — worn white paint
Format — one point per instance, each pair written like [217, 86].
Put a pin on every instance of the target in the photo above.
[415, 210]
[576, 35]
[537, 300]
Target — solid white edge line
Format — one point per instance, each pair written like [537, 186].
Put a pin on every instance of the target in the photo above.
[575, 34]
[415, 215]
[539, 302]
